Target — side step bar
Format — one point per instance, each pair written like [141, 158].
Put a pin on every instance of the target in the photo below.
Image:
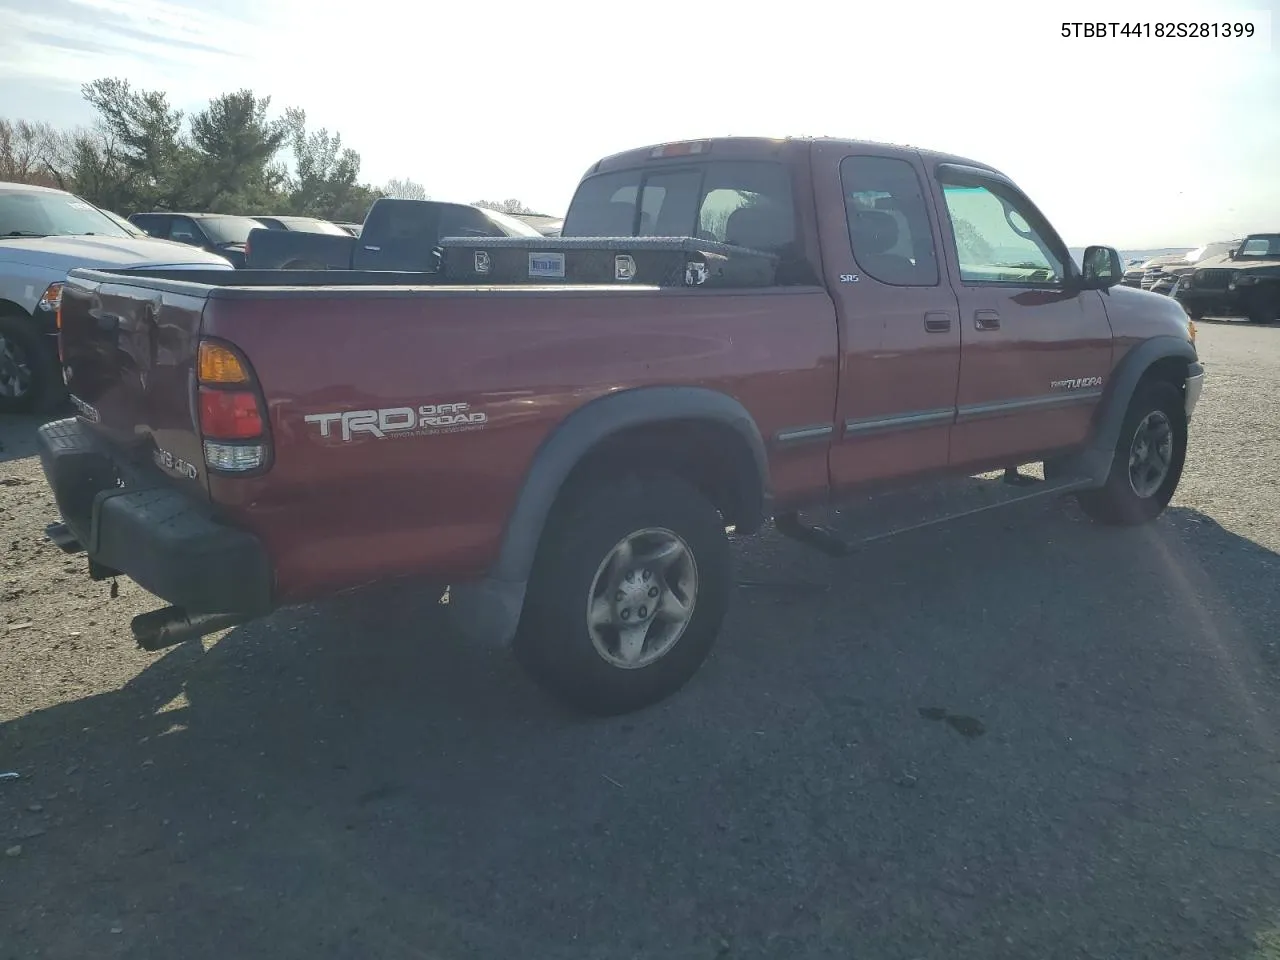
[829, 541]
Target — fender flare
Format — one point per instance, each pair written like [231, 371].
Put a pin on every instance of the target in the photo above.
[489, 609]
[1124, 381]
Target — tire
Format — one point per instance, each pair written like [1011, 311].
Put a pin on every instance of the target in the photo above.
[30, 379]
[1129, 499]
[577, 559]
[1264, 308]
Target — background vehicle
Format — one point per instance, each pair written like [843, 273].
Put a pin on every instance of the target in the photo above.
[302, 225]
[547, 226]
[1163, 277]
[43, 234]
[568, 458]
[1242, 283]
[397, 234]
[351, 228]
[220, 233]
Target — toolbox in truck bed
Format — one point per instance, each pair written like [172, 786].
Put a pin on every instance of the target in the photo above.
[647, 261]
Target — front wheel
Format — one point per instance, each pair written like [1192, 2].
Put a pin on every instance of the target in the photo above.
[1264, 308]
[29, 375]
[628, 593]
[1148, 459]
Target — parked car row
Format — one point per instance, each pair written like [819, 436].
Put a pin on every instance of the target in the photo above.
[44, 233]
[397, 234]
[1225, 278]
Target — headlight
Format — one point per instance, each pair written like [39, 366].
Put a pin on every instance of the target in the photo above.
[1191, 330]
[1245, 279]
[51, 297]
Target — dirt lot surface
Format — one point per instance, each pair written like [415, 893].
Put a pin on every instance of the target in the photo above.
[1019, 736]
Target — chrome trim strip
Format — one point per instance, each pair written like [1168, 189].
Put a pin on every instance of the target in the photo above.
[900, 421]
[1000, 408]
[796, 434]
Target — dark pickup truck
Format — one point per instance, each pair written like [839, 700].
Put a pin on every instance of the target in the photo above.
[397, 234]
[568, 459]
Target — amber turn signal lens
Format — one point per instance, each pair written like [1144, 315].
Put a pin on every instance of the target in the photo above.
[220, 365]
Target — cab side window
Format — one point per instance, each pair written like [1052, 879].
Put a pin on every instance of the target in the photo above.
[184, 230]
[996, 242]
[888, 217]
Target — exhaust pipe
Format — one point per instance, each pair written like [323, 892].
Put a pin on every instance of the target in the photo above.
[158, 629]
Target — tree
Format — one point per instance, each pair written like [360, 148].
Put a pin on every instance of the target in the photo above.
[235, 145]
[31, 152]
[405, 190]
[325, 172]
[156, 160]
[232, 157]
[505, 206]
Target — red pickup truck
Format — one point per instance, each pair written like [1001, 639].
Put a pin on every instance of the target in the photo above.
[569, 458]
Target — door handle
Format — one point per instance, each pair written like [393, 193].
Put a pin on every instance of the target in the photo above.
[986, 320]
[937, 322]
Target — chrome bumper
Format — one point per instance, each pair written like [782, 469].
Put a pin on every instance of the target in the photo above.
[1194, 386]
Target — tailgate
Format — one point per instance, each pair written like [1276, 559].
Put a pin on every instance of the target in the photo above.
[128, 355]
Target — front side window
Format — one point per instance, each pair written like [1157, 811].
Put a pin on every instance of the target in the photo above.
[183, 231]
[995, 240]
[888, 219]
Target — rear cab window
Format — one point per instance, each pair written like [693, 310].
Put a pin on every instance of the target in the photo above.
[747, 203]
[888, 217]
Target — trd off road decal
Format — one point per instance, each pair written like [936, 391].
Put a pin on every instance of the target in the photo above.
[391, 422]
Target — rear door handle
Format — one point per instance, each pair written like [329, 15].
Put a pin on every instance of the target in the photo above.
[937, 322]
[986, 320]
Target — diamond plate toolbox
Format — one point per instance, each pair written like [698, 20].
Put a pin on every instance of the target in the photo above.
[632, 261]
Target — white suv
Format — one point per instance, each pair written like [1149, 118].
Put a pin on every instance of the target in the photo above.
[43, 234]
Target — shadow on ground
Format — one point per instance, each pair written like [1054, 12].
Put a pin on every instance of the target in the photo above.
[349, 781]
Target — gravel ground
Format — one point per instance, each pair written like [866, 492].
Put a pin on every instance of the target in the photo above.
[1019, 736]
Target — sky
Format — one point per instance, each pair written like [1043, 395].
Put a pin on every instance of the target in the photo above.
[1132, 142]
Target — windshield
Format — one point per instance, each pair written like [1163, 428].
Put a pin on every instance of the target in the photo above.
[514, 226]
[229, 229]
[308, 225]
[40, 214]
[1260, 246]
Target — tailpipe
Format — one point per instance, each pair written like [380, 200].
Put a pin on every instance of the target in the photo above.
[158, 629]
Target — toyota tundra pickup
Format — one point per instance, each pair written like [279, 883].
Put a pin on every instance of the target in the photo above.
[568, 459]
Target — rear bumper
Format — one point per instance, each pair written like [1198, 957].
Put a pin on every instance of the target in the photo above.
[169, 544]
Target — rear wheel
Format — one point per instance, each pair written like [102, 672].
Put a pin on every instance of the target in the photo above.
[1148, 459]
[29, 377]
[628, 593]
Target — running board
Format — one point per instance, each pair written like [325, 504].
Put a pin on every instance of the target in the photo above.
[886, 515]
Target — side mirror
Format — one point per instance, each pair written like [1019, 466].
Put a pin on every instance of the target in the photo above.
[1101, 268]
[1231, 254]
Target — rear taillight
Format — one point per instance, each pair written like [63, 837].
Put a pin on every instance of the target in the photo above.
[233, 420]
